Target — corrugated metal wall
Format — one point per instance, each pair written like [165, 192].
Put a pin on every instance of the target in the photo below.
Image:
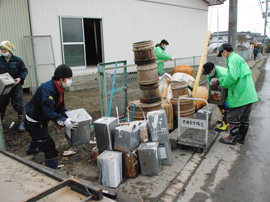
[15, 24]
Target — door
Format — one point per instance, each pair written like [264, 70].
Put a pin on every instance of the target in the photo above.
[73, 44]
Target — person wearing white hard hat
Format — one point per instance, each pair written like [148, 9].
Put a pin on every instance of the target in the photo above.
[9, 63]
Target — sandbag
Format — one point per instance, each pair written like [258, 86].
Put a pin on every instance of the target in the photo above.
[202, 92]
[184, 69]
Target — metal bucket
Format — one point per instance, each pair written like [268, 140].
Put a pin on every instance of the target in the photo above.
[179, 88]
[141, 109]
[147, 74]
[144, 52]
[150, 93]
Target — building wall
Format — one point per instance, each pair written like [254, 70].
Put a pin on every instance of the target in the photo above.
[15, 24]
[183, 23]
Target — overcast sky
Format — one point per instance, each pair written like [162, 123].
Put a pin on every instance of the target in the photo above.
[249, 17]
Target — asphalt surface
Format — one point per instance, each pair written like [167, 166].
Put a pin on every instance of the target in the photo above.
[238, 173]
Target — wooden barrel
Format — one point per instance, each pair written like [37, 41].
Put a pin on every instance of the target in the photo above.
[144, 52]
[150, 93]
[147, 74]
[179, 88]
[141, 109]
[186, 109]
[184, 104]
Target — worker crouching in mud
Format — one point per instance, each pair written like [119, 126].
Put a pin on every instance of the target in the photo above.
[213, 71]
[241, 94]
[48, 104]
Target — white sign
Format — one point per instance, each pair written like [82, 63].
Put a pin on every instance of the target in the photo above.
[192, 123]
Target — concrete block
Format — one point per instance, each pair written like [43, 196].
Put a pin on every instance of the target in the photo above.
[166, 198]
[172, 191]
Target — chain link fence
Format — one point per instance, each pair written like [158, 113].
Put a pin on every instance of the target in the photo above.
[118, 81]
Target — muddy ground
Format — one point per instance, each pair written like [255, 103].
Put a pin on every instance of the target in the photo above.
[81, 164]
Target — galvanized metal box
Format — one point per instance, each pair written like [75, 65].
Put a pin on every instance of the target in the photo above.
[104, 128]
[158, 126]
[216, 95]
[143, 129]
[80, 135]
[165, 152]
[110, 168]
[6, 83]
[149, 158]
[126, 138]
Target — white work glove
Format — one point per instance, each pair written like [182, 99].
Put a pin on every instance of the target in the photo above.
[172, 58]
[70, 124]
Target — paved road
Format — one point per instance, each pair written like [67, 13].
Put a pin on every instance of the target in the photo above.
[238, 173]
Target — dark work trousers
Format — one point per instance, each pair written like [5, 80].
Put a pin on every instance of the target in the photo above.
[16, 97]
[41, 138]
[240, 114]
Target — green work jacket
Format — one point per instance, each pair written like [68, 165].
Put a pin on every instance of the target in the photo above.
[238, 80]
[161, 55]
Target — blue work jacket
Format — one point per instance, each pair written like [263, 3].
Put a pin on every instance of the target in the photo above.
[43, 105]
[15, 67]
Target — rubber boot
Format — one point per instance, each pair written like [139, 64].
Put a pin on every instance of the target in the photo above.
[232, 138]
[243, 132]
[21, 127]
[52, 163]
[32, 148]
[223, 127]
[219, 121]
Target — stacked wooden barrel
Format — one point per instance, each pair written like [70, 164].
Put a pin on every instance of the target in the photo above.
[180, 89]
[145, 59]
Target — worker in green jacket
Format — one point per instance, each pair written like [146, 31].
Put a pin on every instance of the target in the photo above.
[241, 94]
[211, 71]
[161, 55]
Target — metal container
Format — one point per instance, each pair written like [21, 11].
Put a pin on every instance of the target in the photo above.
[216, 95]
[142, 109]
[6, 83]
[81, 134]
[104, 128]
[147, 74]
[131, 168]
[126, 138]
[110, 168]
[158, 126]
[143, 129]
[149, 158]
[144, 52]
[150, 93]
[165, 152]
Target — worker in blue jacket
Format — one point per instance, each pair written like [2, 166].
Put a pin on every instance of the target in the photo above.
[48, 104]
[15, 66]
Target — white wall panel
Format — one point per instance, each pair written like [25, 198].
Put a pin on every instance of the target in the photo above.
[183, 23]
[15, 24]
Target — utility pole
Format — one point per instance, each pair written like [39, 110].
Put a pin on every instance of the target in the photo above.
[265, 24]
[232, 35]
